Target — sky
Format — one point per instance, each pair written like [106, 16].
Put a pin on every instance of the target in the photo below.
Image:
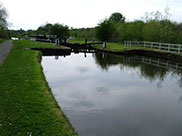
[30, 14]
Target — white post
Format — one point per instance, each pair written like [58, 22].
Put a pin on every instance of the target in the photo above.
[159, 46]
[179, 49]
[144, 43]
[151, 44]
[56, 41]
[104, 45]
[169, 47]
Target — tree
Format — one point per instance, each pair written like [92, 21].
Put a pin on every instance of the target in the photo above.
[3, 17]
[44, 29]
[60, 30]
[152, 16]
[104, 30]
[117, 17]
[151, 31]
[3, 22]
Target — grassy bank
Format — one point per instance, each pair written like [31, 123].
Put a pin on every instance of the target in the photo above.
[110, 45]
[119, 47]
[27, 106]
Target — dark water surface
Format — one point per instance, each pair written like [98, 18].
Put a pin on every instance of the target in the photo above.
[107, 95]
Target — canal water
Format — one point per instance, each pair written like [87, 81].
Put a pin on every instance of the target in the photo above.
[108, 95]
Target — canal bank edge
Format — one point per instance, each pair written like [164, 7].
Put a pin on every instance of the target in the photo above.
[144, 52]
[27, 104]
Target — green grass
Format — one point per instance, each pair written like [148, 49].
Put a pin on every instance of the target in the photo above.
[112, 46]
[121, 47]
[27, 106]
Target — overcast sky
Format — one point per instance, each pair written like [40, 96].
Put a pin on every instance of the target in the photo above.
[30, 14]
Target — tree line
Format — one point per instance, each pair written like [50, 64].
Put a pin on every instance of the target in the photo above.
[154, 27]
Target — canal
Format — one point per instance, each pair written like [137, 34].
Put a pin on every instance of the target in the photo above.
[109, 95]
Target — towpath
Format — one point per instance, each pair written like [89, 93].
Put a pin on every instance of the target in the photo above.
[5, 47]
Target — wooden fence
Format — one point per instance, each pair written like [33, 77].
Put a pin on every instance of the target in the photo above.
[161, 46]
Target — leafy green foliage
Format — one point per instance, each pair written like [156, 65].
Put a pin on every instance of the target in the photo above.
[45, 29]
[116, 18]
[3, 23]
[104, 30]
[151, 31]
[54, 29]
[60, 30]
[87, 33]
[3, 17]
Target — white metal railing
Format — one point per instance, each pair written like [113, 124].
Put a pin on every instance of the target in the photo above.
[161, 46]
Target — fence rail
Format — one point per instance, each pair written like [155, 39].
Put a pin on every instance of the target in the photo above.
[161, 46]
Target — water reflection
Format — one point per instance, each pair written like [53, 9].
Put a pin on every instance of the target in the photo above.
[149, 68]
[108, 95]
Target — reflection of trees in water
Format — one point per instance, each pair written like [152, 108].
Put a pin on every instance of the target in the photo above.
[152, 72]
[105, 61]
[180, 82]
[180, 85]
[148, 71]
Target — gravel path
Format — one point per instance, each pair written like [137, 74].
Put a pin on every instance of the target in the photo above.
[4, 50]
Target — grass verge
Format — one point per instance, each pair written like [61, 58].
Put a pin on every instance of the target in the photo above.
[27, 106]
